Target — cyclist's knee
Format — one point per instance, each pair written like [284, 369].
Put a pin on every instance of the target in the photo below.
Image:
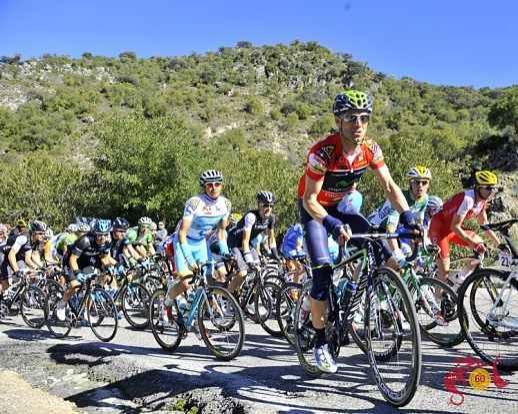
[321, 281]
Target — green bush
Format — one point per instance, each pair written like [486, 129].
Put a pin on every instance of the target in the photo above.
[253, 106]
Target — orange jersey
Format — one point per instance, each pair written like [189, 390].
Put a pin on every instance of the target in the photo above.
[327, 161]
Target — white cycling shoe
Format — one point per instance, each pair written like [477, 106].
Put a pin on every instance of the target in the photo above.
[61, 311]
[324, 359]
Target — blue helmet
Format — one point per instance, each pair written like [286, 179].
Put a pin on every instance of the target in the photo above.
[120, 223]
[101, 226]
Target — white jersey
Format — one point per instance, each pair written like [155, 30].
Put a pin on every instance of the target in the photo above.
[206, 213]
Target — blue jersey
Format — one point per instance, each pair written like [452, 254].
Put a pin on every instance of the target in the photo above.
[292, 239]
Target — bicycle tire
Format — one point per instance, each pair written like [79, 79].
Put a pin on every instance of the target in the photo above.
[164, 327]
[57, 328]
[450, 335]
[401, 311]
[265, 309]
[102, 314]
[32, 300]
[223, 319]
[136, 298]
[285, 305]
[492, 342]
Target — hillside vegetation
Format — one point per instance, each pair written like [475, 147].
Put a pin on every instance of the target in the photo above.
[129, 136]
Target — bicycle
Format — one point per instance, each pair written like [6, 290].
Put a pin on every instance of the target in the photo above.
[390, 331]
[487, 305]
[431, 297]
[92, 299]
[24, 296]
[134, 300]
[212, 311]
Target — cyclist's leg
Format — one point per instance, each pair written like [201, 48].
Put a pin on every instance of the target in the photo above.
[242, 269]
[4, 275]
[183, 272]
[316, 243]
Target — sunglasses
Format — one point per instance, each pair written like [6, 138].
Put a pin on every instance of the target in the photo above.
[268, 205]
[364, 118]
[488, 188]
[101, 235]
[421, 182]
[214, 185]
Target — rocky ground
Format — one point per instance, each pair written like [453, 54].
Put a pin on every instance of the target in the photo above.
[132, 374]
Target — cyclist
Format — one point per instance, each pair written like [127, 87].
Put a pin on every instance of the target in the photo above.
[334, 166]
[202, 214]
[68, 238]
[387, 218]
[292, 248]
[90, 251]
[447, 225]
[141, 237]
[251, 229]
[19, 247]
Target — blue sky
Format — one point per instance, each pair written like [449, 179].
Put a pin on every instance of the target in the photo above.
[454, 42]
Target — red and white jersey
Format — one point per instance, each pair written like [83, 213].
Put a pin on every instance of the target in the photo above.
[462, 205]
[327, 161]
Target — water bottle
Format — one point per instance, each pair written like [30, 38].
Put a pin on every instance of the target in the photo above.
[457, 277]
[349, 290]
[183, 305]
[74, 302]
[190, 299]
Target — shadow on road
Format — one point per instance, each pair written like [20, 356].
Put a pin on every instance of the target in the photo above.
[258, 384]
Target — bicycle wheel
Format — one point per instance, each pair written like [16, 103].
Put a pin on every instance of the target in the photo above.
[135, 300]
[57, 328]
[304, 334]
[358, 324]
[32, 307]
[433, 296]
[164, 322]
[285, 304]
[393, 338]
[102, 314]
[489, 316]
[246, 300]
[265, 310]
[221, 323]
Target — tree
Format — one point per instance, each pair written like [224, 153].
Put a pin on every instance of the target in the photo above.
[504, 112]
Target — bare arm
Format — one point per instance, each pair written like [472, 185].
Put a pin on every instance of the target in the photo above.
[271, 239]
[391, 189]
[73, 263]
[33, 259]
[456, 227]
[222, 234]
[246, 240]
[12, 258]
[309, 199]
[482, 219]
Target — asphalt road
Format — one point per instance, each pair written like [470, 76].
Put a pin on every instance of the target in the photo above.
[133, 374]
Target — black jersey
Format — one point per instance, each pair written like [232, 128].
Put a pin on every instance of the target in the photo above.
[251, 221]
[88, 251]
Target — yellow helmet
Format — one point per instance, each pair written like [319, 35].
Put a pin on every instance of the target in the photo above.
[235, 217]
[419, 172]
[485, 177]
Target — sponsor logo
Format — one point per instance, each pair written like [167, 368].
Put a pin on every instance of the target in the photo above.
[470, 371]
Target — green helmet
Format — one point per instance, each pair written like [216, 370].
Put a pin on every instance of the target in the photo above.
[352, 99]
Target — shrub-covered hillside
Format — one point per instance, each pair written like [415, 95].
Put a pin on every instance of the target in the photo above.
[129, 136]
